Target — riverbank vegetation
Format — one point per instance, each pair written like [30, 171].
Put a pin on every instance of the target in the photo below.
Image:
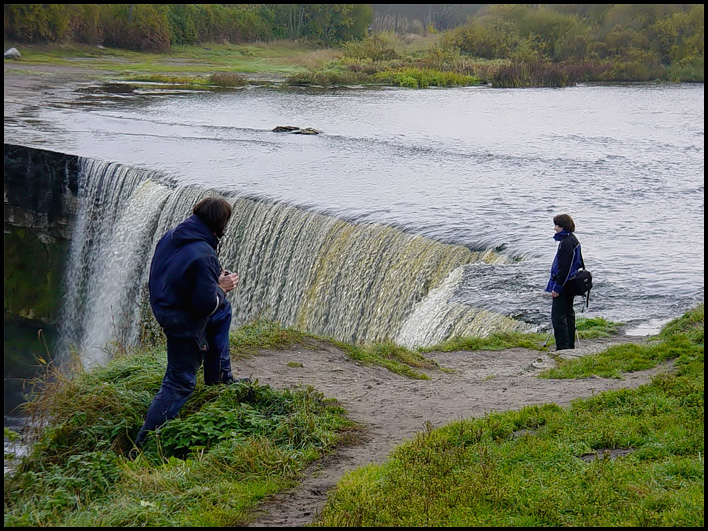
[233, 446]
[620, 459]
[505, 45]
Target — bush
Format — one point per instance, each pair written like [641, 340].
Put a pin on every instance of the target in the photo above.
[36, 23]
[227, 79]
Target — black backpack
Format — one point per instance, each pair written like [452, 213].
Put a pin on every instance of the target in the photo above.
[580, 284]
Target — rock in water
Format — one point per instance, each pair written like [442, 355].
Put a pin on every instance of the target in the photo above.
[296, 130]
[285, 129]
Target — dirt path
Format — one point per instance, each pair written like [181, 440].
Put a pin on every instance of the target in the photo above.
[393, 408]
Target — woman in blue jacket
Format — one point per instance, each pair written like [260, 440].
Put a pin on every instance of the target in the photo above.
[566, 264]
[188, 297]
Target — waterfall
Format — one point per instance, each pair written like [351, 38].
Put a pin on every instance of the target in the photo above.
[353, 282]
[439, 317]
[116, 212]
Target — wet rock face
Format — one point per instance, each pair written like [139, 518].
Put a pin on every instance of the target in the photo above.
[41, 190]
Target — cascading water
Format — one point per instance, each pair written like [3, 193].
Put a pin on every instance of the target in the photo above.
[353, 282]
[115, 221]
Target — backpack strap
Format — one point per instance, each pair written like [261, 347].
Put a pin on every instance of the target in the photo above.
[586, 304]
[586, 296]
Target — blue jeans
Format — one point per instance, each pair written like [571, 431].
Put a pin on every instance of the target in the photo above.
[184, 357]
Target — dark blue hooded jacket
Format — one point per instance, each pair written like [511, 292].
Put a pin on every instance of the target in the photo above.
[567, 261]
[184, 276]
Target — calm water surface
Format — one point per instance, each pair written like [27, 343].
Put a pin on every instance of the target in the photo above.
[477, 166]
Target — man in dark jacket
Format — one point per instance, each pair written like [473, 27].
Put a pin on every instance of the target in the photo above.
[188, 297]
[566, 264]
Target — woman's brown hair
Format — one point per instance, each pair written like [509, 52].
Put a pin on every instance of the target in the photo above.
[565, 221]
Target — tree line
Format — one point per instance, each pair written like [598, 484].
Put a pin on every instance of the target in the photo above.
[155, 27]
[644, 40]
[609, 41]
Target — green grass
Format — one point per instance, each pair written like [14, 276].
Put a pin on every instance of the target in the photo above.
[230, 447]
[262, 334]
[278, 58]
[551, 466]
[587, 329]
[233, 446]
[596, 327]
[679, 339]
[395, 358]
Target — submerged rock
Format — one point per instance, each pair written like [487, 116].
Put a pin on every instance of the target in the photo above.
[307, 131]
[296, 130]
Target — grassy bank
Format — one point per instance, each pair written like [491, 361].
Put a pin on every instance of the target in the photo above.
[265, 334]
[277, 59]
[231, 447]
[382, 59]
[622, 458]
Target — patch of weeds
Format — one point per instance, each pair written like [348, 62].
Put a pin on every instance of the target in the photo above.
[395, 358]
[227, 79]
[496, 341]
[264, 334]
[596, 327]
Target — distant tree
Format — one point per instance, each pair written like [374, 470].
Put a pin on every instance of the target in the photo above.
[36, 22]
[418, 18]
[85, 23]
[324, 23]
[182, 21]
[143, 27]
[680, 36]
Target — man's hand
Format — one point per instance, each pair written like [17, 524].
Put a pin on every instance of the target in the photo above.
[227, 280]
[555, 294]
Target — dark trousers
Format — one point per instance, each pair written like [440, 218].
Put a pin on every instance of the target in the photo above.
[563, 319]
[184, 357]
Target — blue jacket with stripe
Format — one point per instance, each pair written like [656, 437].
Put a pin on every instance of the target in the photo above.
[567, 262]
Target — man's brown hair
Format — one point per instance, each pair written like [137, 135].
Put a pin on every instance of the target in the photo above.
[215, 212]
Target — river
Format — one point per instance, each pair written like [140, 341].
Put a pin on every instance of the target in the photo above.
[481, 167]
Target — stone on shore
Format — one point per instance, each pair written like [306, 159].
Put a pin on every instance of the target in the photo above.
[12, 53]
